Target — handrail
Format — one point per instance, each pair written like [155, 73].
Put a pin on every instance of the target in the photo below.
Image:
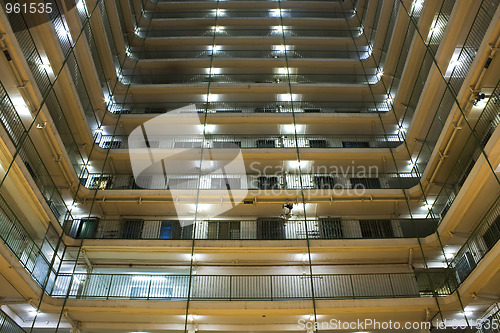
[239, 287]
[259, 229]
[9, 325]
[262, 141]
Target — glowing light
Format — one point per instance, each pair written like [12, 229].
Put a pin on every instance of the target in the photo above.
[417, 4]
[289, 97]
[211, 98]
[380, 73]
[282, 71]
[22, 109]
[219, 12]
[214, 71]
[275, 12]
[277, 29]
[292, 129]
[297, 164]
[214, 48]
[219, 28]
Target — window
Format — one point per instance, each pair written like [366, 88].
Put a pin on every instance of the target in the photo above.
[111, 144]
[170, 230]
[225, 183]
[132, 229]
[324, 182]
[376, 228]
[365, 183]
[330, 228]
[265, 144]
[268, 183]
[270, 229]
[223, 230]
[492, 234]
[355, 144]
[265, 110]
[312, 110]
[317, 143]
[87, 228]
[226, 144]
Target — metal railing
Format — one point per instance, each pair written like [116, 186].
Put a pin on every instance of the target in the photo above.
[482, 240]
[260, 229]
[256, 13]
[257, 141]
[272, 31]
[8, 325]
[273, 107]
[225, 52]
[272, 183]
[235, 287]
[250, 78]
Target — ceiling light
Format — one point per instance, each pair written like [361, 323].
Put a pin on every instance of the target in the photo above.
[277, 29]
[282, 70]
[214, 48]
[219, 12]
[275, 12]
[219, 28]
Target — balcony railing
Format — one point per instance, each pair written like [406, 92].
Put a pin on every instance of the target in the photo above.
[264, 78]
[264, 107]
[260, 229]
[262, 13]
[8, 325]
[250, 53]
[258, 141]
[323, 183]
[274, 31]
[236, 287]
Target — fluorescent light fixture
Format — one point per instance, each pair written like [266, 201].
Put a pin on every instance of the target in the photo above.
[282, 70]
[281, 48]
[214, 48]
[277, 29]
[214, 71]
[211, 98]
[298, 164]
[275, 12]
[219, 12]
[219, 28]
[289, 97]
[22, 109]
[292, 129]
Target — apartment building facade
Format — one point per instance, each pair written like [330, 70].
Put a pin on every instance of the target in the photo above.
[249, 166]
